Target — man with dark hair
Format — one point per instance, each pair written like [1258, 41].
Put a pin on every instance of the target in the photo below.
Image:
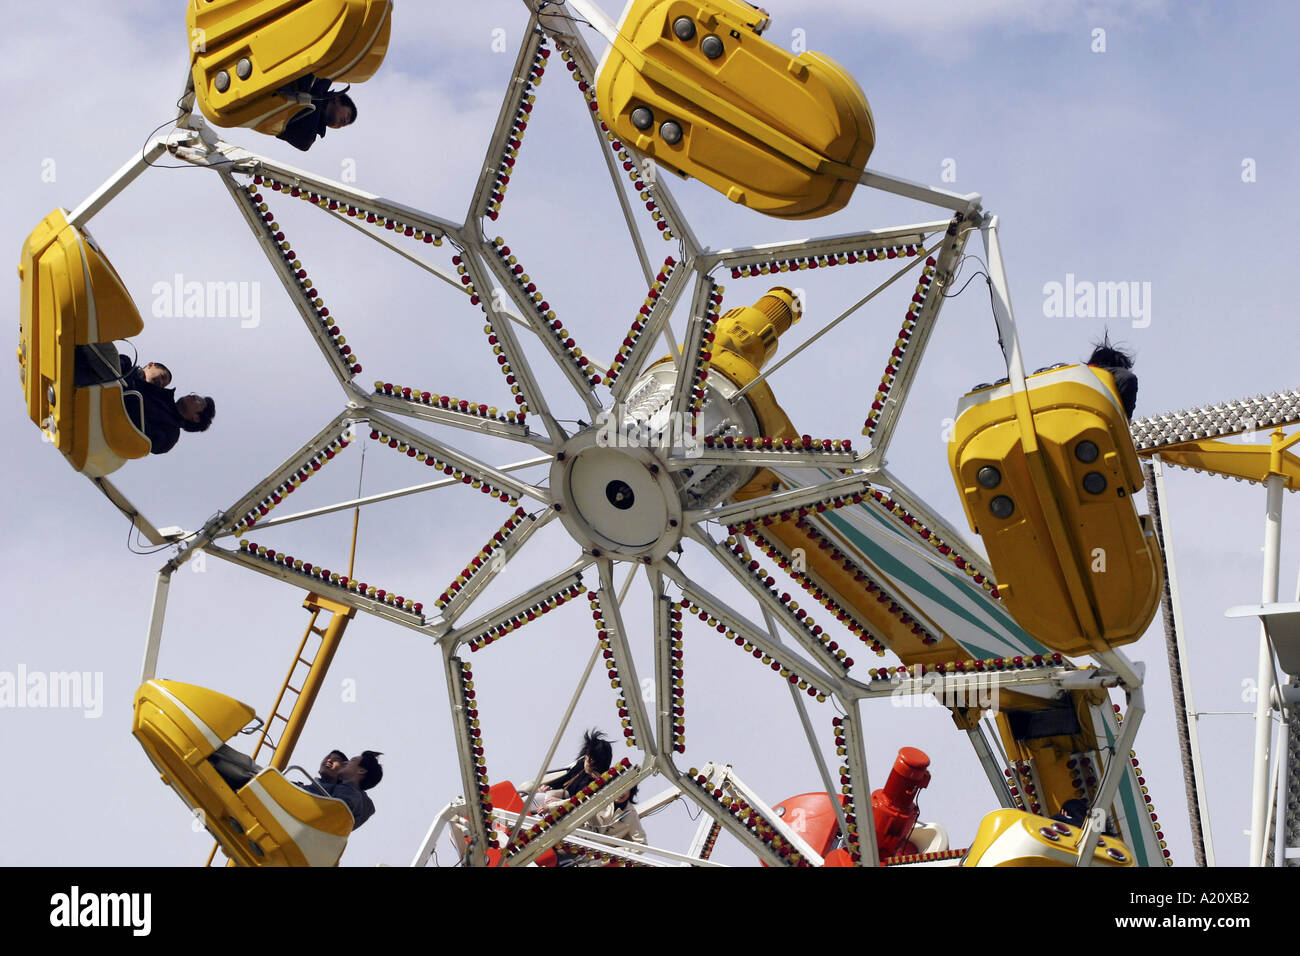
[1120, 365]
[347, 780]
[594, 758]
[158, 413]
[325, 109]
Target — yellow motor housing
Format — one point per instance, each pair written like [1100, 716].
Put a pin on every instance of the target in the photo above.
[244, 51]
[1075, 565]
[266, 822]
[1019, 838]
[72, 296]
[694, 85]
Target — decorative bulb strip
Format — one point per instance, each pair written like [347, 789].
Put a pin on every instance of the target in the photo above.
[847, 257]
[484, 559]
[562, 341]
[322, 580]
[640, 182]
[527, 78]
[447, 403]
[830, 651]
[525, 616]
[1146, 796]
[304, 469]
[897, 355]
[327, 325]
[750, 817]
[776, 663]
[649, 310]
[459, 472]
[333, 203]
[557, 812]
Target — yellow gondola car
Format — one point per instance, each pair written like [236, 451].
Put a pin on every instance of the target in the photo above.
[244, 51]
[1054, 503]
[694, 85]
[71, 299]
[1019, 838]
[263, 821]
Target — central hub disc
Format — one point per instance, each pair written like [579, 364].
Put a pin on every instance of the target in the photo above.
[616, 500]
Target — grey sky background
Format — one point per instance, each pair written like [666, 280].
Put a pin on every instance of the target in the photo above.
[1122, 165]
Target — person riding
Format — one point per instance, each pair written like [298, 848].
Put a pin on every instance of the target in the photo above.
[325, 109]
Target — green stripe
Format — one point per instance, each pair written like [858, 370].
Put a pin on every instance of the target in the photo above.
[1127, 797]
[1016, 640]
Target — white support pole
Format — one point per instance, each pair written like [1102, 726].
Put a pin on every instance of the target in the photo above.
[1002, 312]
[119, 181]
[1264, 683]
[156, 616]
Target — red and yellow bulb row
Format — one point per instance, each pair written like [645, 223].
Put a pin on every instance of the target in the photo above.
[787, 672]
[610, 663]
[833, 653]
[335, 204]
[843, 615]
[474, 734]
[677, 672]
[1083, 774]
[934, 541]
[273, 230]
[634, 172]
[751, 818]
[1014, 790]
[590, 855]
[545, 314]
[924, 857]
[1017, 663]
[704, 356]
[323, 576]
[304, 470]
[899, 351]
[824, 261]
[412, 451]
[526, 616]
[851, 836]
[558, 811]
[523, 113]
[1023, 782]
[651, 302]
[803, 443]
[444, 402]
[483, 558]
[710, 840]
[1146, 796]
[498, 347]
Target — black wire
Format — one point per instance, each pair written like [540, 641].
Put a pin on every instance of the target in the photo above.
[953, 295]
[149, 136]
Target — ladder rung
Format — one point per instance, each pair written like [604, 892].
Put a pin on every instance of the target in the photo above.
[292, 688]
[316, 630]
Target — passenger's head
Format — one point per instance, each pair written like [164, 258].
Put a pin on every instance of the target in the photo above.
[1119, 362]
[626, 797]
[340, 111]
[196, 412]
[156, 373]
[363, 770]
[333, 761]
[597, 753]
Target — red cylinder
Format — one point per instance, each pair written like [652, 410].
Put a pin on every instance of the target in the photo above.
[894, 806]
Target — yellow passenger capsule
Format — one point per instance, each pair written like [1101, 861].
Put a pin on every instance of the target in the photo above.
[258, 817]
[696, 87]
[71, 299]
[1052, 495]
[243, 52]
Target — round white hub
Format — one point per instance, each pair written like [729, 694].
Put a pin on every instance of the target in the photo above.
[616, 500]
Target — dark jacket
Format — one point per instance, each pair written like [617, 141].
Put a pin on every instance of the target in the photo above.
[162, 422]
[301, 131]
[358, 802]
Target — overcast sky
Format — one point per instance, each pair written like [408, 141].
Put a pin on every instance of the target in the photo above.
[1148, 143]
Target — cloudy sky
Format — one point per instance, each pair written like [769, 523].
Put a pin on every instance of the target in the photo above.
[1118, 142]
